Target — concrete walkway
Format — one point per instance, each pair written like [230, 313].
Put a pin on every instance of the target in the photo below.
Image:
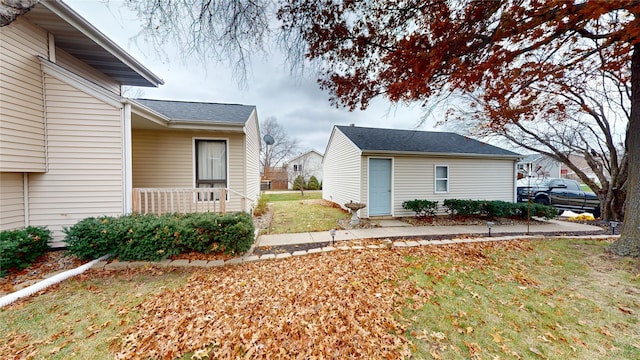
[400, 230]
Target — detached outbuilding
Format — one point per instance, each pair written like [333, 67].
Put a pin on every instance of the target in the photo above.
[385, 167]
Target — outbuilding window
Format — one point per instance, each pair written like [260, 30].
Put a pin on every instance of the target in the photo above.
[442, 179]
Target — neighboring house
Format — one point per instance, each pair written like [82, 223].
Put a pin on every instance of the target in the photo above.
[306, 165]
[71, 147]
[384, 167]
[541, 166]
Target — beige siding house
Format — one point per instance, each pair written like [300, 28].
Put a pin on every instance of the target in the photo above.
[71, 147]
[385, 167]
[178, 146]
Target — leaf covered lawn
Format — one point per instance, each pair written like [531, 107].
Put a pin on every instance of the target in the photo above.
[514, 299]
[336, 305]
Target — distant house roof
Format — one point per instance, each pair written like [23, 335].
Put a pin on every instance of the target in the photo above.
[413, 141]
[305, 154]
[531, 158]
[200, 111]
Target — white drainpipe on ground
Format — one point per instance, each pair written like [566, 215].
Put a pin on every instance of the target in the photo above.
[28, 291]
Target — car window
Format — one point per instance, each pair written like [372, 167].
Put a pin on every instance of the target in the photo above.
[554, 183]
[572, 185]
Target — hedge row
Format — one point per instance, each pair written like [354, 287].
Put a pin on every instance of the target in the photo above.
[153, 237]
[20, 248]
[493, 208]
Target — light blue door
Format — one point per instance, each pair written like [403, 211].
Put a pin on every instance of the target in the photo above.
[379, 187]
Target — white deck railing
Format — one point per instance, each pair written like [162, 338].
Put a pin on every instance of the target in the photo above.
[161, 201]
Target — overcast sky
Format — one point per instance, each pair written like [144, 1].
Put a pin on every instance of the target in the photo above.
[298, 104]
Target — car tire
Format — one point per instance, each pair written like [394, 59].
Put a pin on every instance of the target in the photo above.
[596, 212]
[542, 201]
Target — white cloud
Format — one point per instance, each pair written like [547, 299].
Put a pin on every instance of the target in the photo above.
[297, 102]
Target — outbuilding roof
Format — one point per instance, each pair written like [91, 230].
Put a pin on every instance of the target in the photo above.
[414, 141]
[200, 111]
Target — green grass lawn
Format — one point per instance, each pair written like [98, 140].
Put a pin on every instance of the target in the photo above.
[293, 196]
[540, 299]
[304, 216]
[564, 299]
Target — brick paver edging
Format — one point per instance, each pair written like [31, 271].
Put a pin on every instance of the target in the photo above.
[119, 265]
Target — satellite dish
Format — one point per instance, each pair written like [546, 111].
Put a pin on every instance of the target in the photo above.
[268, 139]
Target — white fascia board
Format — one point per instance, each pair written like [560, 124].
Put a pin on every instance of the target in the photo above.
[80, 83]
[147, 113]
[205, 126]
[74, 19]
[432, 154]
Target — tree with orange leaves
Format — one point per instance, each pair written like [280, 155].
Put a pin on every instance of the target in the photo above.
[415, 50]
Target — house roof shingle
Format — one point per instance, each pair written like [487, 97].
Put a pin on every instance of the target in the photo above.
[413, 141]
[200, 111]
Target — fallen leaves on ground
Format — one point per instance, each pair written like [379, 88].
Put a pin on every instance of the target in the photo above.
[335, 305]
[50, 262]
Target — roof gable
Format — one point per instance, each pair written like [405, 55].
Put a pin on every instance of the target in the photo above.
[307, 154]
[413, 141]
[78, 37]
[200, 111]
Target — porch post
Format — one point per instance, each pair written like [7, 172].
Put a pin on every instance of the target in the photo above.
[127, 166]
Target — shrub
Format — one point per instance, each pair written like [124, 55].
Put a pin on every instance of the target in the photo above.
[92, 237]
[149, 237]
[462, 207]
[313, 183]
[422, 208]
[153, 237]
[299, 183]
[496, 208]
[262, 206]
[20, 248]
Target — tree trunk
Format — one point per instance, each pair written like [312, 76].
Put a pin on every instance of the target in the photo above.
[629, 242]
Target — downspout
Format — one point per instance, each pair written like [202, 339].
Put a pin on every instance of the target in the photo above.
[515, 179]
[127, 158]
[25, 197]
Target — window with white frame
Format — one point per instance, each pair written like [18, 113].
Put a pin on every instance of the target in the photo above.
[442, 178]
[211, 164]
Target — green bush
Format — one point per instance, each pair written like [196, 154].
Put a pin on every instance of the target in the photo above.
[299, 183]
[313, 183]
[92, 237]
[496, 208]
[422, 208]
[153, 237]
[462, 207]
[20, 248]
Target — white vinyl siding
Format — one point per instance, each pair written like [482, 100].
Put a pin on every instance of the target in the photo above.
[85, 172]
[11, 201]
[81, 68]
[166, 159]
[252, 168]
[342, 170]
[22, 131]
[308, 164]
[469, 178]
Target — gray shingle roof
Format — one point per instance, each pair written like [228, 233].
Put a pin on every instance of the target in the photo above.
[392, 140]
[200, 111]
